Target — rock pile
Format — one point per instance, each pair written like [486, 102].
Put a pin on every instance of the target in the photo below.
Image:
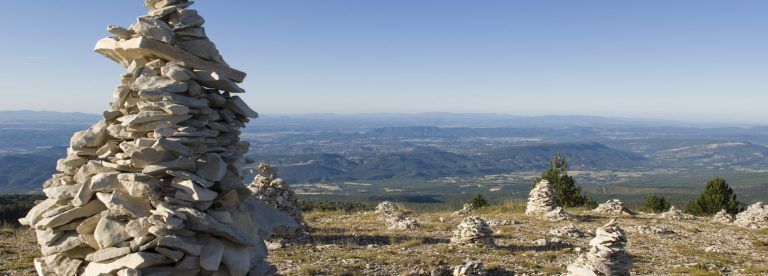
[613, 207]
[474, 232]
[756, 216]
[676, 214]
[470, 268]
[465, 210]
[156, 186]
[542, 199]
[606, 254]
[569, 231]
[722, 217]
[395, 217]
[270, 188]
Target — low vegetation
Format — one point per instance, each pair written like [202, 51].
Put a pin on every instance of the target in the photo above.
[568, 193]
[717, 195]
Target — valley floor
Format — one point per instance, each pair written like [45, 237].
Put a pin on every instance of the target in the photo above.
[359, 244]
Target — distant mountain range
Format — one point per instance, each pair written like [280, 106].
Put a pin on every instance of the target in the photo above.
[428, 163]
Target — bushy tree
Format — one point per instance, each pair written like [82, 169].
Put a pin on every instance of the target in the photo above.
[717, 195]
[568, 194]
[657, 204]
[478, 201]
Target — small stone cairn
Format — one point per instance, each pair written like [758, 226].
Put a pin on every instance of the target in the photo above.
[156, 188]
[474, 232]
[676, 214]
[268, 187]
[470, 268]
[755, 217]
[395, 217]
[722, 217]
[606, 255]
[613, 207]
[465, 210]
[542, 201]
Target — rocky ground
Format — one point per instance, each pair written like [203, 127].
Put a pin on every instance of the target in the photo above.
[360, 244]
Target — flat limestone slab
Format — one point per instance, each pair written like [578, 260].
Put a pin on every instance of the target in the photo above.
[125, 51]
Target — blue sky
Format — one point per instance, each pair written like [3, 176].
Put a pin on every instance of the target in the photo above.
[694, 60]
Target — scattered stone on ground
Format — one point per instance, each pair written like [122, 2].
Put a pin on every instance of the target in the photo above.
[606, 255]
[676, 214]
[755, 217]
[395, 217]
[157, 185]
[501, 222]
[649, 230]
[614, 207]
[474, 232]
[569, 231]
[470, 268]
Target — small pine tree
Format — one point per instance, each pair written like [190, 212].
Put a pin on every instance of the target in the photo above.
[717, 195]
[568, 194]
[657, 204]
[478, 201]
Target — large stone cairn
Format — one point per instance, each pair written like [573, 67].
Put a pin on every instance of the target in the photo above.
[394, 215]
[474, 232]
[542, 201]
[613, 207]
[606, 255]
[756, 216]
[156, 186]
[267, 186]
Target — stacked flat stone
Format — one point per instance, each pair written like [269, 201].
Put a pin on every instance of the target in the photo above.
[569, 231]
[474, 232]
[676, 214]
[722, 217]
[268, 187]
[156, 186]
[606, 255]
[755, 217]
[470, 268]
[613, 207]
[465, 210]
[542, 199]
[394, 215]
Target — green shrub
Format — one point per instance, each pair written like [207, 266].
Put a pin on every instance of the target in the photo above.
[717, 195]
[568, 194]
[657, 204]
[478, 201]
